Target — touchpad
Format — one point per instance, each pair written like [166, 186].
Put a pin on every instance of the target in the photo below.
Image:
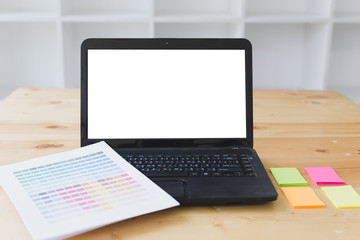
[174, 188]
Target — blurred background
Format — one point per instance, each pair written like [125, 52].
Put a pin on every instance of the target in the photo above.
[297, 44]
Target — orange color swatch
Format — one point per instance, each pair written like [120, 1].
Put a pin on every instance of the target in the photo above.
[302, 197]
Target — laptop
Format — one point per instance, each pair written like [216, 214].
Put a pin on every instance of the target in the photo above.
[180, 111]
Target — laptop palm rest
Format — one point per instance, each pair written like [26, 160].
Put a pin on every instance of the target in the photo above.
[174, 188]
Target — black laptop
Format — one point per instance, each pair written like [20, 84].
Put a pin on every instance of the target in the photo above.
[180, 111]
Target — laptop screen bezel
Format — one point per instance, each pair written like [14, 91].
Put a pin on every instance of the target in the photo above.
[168, 43]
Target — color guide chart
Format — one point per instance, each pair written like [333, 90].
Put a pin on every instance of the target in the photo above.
[95, 184]
[54, 191]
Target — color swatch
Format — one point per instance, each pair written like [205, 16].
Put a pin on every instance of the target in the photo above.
[324, 175]
[302, 197]
[68, 193]
[103, 185]
[288, 177]
[343, 196]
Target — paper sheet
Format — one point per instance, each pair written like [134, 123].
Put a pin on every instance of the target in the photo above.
[65, 194]
[324, 175]
[343, 196]
[288, 177]
[302, 197]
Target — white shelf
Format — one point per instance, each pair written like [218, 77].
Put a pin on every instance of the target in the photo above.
[27, 56]
[167, 17]
[26, 16]
[274, 47]
[297, 44]
[197, 7]
[104, 16]
[285, 18]
[347, 11]
[120, 7]
[197, 30]
[318, 8]
[344, 68]
[291, 55]
[29, 6]
[347, 18]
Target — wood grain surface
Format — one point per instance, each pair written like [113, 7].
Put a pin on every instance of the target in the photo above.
[292, 129]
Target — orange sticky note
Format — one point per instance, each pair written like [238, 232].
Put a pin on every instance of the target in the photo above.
[302, 197]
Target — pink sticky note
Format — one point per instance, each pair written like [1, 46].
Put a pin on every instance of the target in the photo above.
[324, 175]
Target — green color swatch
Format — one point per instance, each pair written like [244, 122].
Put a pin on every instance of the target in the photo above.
[343, 196]
[288, 177]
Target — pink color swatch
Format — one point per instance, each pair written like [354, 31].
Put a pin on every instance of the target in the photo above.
[324, 175]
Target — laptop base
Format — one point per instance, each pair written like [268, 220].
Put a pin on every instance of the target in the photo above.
[212, 190]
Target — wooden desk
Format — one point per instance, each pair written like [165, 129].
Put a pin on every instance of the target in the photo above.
[292, 129]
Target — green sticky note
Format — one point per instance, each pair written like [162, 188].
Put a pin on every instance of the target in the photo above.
[343, 196]
[288, 177]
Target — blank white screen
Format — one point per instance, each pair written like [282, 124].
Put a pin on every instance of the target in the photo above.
[138, 94]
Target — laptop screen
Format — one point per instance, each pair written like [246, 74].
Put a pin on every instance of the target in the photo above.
[160, 94]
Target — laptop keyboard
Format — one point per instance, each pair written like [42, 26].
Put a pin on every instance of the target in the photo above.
[193, 165]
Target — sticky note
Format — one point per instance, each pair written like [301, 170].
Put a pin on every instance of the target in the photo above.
[324, 175]
[343, 196]
[302, 197]
[288, 177]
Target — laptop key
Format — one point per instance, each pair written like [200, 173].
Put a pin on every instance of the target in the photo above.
[250, 174]
[229, 169]
[194, 174]
[166, 174]
[231, 165]
[205, 174]
[228, 174]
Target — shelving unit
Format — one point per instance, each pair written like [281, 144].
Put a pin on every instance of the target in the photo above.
[27, 54]
[197, 11]
[280, 11]
[347, 11]
[298, 44]
[343, 72]
[105, 10]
